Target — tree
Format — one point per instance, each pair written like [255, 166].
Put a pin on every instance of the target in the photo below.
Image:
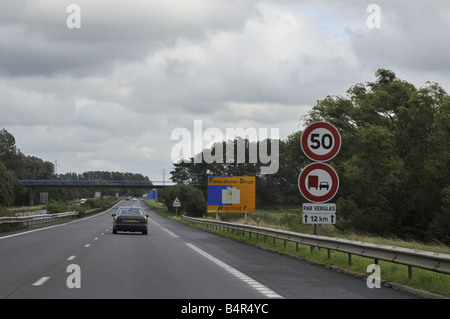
[271, 189]
[193, 202]
[395, 158]
[6, 187]
[9, 154]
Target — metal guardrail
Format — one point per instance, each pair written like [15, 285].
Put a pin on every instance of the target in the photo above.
[410, 257]
[36, 219]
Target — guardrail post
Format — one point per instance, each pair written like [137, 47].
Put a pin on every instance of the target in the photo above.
[409, 272]
[349, 259]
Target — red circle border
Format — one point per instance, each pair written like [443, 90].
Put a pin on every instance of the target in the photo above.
[307, 194]
[332, 153]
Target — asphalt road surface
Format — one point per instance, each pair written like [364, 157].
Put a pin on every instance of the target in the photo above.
[83, 259]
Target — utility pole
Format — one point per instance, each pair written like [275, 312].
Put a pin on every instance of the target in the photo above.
[55, 167]
[164, 176]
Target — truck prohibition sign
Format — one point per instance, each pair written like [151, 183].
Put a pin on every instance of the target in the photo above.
[318, 182]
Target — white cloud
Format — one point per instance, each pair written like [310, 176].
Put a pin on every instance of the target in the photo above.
[108, 96]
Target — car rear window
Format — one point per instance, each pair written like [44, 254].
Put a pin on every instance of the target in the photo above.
[131, 211]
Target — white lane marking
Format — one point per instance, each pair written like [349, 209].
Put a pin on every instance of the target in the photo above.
[170, 233]
[165, 229]
[87, 245]
[41, 281]
[71, 258]
[59, 225]
[30, 231]
[256, 285]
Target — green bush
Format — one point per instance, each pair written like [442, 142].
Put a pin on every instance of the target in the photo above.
[193, 202]
[94, 203]
[55, 207]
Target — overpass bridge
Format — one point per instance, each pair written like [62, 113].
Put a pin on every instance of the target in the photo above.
[35, 184]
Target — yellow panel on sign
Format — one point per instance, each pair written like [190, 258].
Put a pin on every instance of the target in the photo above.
[234, 194]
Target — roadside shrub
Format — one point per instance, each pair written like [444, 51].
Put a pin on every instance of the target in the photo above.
[193, 201]
[54, 207]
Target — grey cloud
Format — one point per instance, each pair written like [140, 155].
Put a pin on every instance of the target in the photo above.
[36, 40]
[112, 92]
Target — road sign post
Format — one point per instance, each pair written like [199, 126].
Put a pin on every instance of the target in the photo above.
[318, 182]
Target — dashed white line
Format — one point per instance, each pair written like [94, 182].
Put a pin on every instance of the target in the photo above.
[71, 258]
[256, 285]
[165, 229]
[41, 281]
[169, 232]
[87, 245]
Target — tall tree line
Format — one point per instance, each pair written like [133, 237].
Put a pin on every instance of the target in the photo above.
[393, 166]
[14, 166]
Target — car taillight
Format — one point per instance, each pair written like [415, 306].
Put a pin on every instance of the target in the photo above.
[118, 220]
[143, 221]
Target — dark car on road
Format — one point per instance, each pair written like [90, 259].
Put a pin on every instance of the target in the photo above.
[130, 219]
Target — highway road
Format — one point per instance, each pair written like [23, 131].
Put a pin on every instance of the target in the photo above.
[83, 259]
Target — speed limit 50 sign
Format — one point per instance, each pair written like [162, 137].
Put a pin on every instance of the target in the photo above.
[321, 141]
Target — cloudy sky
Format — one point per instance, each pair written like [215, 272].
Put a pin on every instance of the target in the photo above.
[108, 95]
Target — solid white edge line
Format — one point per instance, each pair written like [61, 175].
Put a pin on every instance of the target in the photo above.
[163, 228]
[169, 232]
[256, 285]
[59, 225]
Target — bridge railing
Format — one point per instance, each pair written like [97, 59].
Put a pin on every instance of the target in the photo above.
[94, 183]
[410, 257]
[56, 182]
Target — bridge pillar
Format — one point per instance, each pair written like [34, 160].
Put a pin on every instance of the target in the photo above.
[31, 197]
